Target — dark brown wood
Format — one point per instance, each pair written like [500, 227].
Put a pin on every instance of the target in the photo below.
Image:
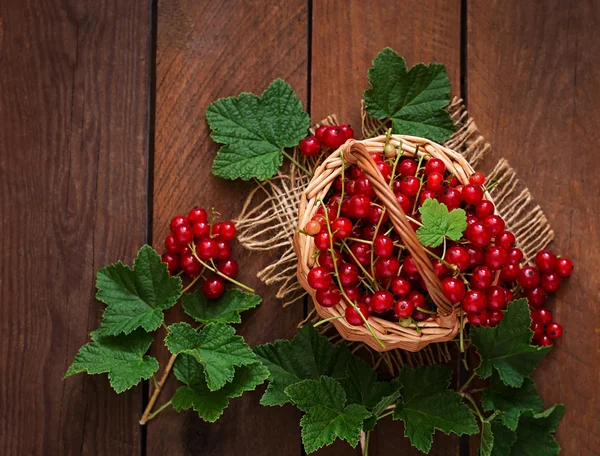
[209, 50]
[346, 37]
[74, 110]
[534, 90]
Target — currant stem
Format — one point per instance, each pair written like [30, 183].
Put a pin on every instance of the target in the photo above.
[191, 284]
[467, 383]
[430, 312]
[462, 336]
[160, 409]
[385, 414]
[468, 397]
[216, 271]
[157, 390]
[415, 221]
[366, 448]
[325, 320]
[398, 155]
[295, 162]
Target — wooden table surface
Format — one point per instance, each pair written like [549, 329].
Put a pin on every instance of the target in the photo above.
[103, 139]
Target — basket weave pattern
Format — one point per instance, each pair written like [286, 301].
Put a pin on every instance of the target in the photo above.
[439, 328]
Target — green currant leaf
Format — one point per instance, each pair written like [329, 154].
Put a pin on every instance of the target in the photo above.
[327, 415]
[308, 356]
[255, 130]
[136, 297]
[511, 401]
[506, 348]
[504, 439]
[196, 394]
[225, 309]
[535, 433]
[414, 100]
[426, 404]
[216, 347]
[121, 357]
[438, 223]
[487, 439]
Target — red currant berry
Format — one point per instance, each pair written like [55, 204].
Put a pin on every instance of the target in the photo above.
[482, 278]
[472, 193]
[536, 297]
[360, 205]
[191, 266]
[229, 267]
[495, 257]
[319, 132]
[474, 301]
[375, 214]
[201, 230]
[183, 234]
[386, 268]
[478, 234]
[478, 318]
[426, 194]
[196, 215]
[410, 185]
[435, 165]
[419, 316]
[171, 244]
[496, 298]
[510, 273]
[376, 156]
[452, 181]
[227, 231]
[353, 293]
[382, 301]
[454, 289]
[322, 240]
[386, 170]
[348, 131]
[319, 278]
[435, 182]
[348, 274]
[476, 255]
[564, 267]
[326, 260]
[410, 266]
[506, 240]
[554, 331]
[546, 261]
[333, 137]
[495, 224]
[440, 268]
[404, 202]
[477, 178]
[341, 227]
[403, 308]
[418, 299]
[458, 256]
[542, 315]
[509, 295]
[329, 297]
[529, 277]
[223, 250]
[538, 329]
[172, 261]
[361, 252]
[383, 246]
[515, 256]
[544, 341]
[400, 286]
[550, 282]
[312, 228]
[178, 220]
[484, 208]
[354, 318]
[452, 198]
[213, 287]
[207, 249]
[494, 317]
[310, 146]
[407, 167]
[214, 232]
[363, 185]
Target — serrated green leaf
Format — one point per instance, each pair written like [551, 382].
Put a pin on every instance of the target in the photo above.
[122, 357]
[136, 297]
[504, 439]
[225, 309]
[535, 433]
[216, 347]
[511, 401]
[414, 100]
[426, 404]
[255, 130]
[438, 223]
[487, 439]
[196, 394]
[506, 348]
[308, 356]
[327, 416]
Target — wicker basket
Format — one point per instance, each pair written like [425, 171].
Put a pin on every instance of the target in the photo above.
[439, 328]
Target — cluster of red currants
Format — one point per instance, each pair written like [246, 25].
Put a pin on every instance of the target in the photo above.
[363, 262]
[195, 246]
[331, 136]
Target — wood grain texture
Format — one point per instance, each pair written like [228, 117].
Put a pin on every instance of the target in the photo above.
[534, 89]
[209, 50]
[73, 167]
[346, 37]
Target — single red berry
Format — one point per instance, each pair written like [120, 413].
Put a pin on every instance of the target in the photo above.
[223, 250]
[376, 213]
[440, 268]
[348, 131]
[183, 234]
[536, 297]
[229, 267]
[227, 231]
[172, 261]
[360, 205]
[319, 132]
[171, 244]
[207, 249]
[312, 228]
[382, 301]
[418, 315]
[472, 193]
[403, 308]
[386, 268]
[435, 165]
[427, 194]
[478, 318]
[495, 224]
[178, 220]
[542, 315]
[376, 156]
[341, 227]
[407, 167]
[495, 257]
[452, 198]
[509, 295]
[213, 287]
[506, 240]
[550, 282]
[529, 277]
[538, 328]
[185, 250]
[515, 256]
[478, 234]
[386, 170]
[400, 286]
[404, 202]
[546, 261]
[410, 266]
[458, 256]
[476, 255]
[348, 274]
[477, 178]
[474, 301]
[383, 246]
[326, 260]
[362, 252]
[214, 232]
[322, 240]
[333, 137]
[329, 297]
[554, 331]
[353, 317]
[482, 278]
[410, 185]
[191, 266]
[496, 298]
[544, 341]
[564, 267]
[418, 299]
[484, 208]
[353, 293]
[454, 289]
[310, 146]
[495, 317]
[452, 181]
[510, 273]
[363, 185]
[201, 230]
[319, 278]
[435, 182]
[196, 215]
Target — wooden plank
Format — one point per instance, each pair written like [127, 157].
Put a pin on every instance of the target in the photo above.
[346, 37]
[209, 50]
[73, 167]
[534, 88]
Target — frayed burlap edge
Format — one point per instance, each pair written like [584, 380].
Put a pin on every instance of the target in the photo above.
[269, 217]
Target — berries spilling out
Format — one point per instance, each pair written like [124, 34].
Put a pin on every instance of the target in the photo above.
[330, 136]
[199, 249]
[364, 266]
